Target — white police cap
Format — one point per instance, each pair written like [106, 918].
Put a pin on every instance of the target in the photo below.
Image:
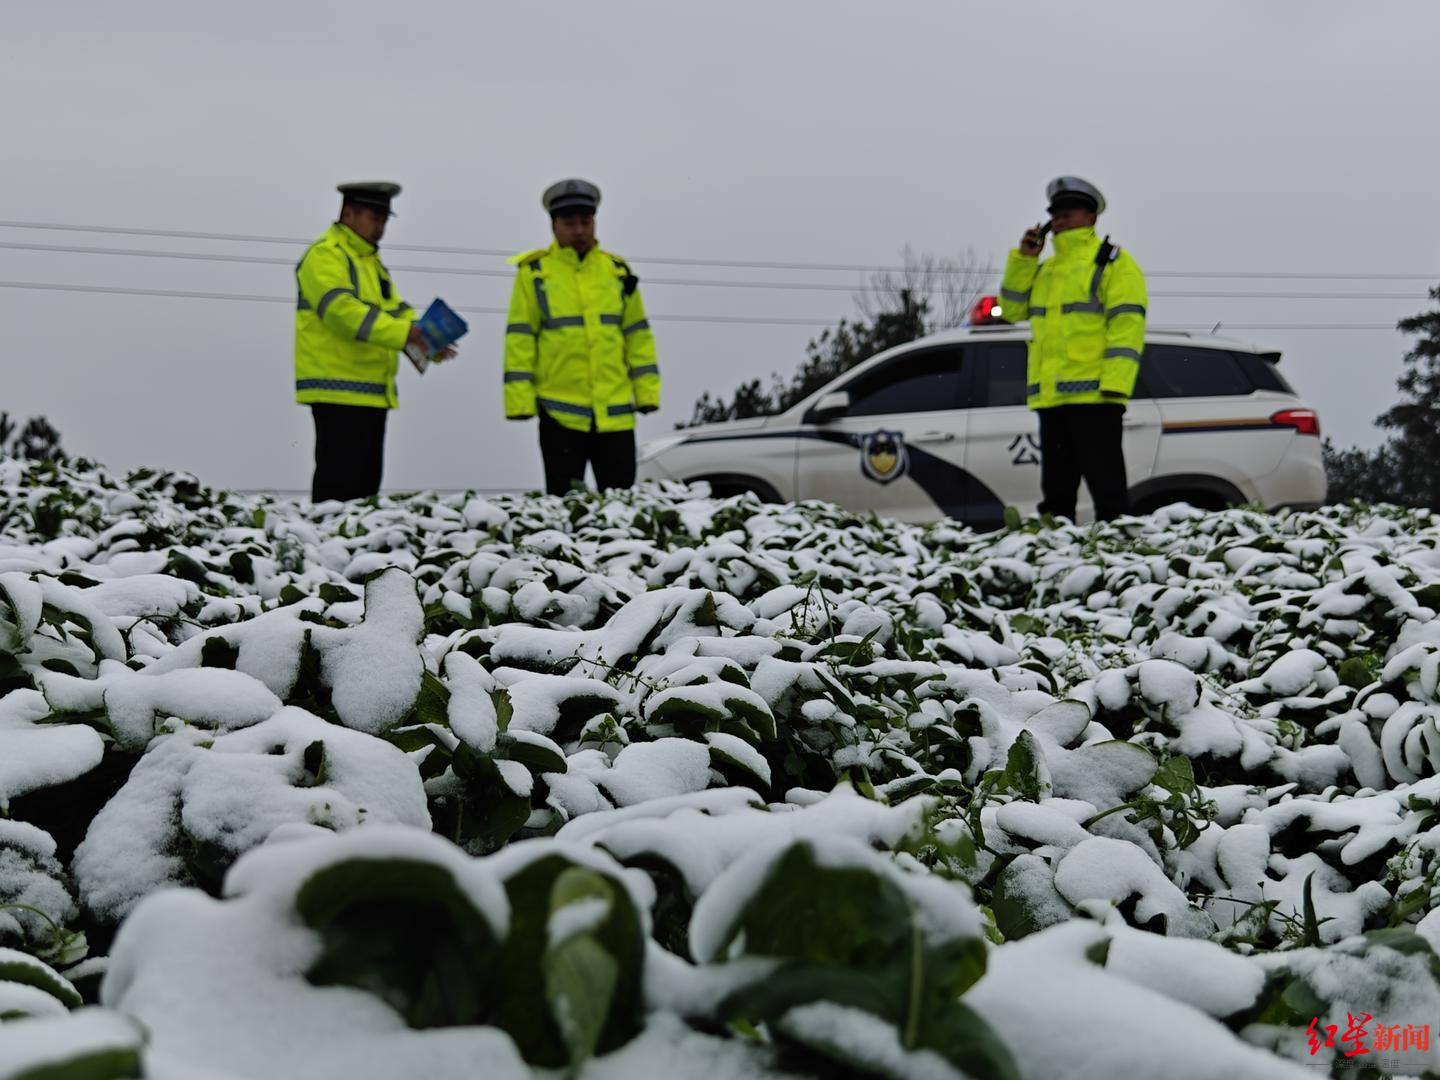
[573, 194]
[1075, 192]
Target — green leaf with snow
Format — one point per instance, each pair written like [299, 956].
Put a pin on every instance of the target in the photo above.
[1026, 772]
[430, 704]
[406, 932]
[25, 970]
[574, 933]
[850, 936]
[117, 1064]
[480, 811]
[581, 976]
[539, 755]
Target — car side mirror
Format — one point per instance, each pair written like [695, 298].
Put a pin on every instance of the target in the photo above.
[832, 406]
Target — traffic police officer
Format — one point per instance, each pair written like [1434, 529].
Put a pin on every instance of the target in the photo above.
[578, 348]
[1086, 307]
[350, 323]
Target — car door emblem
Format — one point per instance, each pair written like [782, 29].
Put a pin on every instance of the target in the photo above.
[883, 456]
[1025, 450]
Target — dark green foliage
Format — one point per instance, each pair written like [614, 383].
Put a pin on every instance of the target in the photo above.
[833, 353]
[28, 974]
[849, 936]
[216, 652]
[1402, 470]
[36, 441]
[406, 932]
[121, 1064]
[596, 972]
[484, 813]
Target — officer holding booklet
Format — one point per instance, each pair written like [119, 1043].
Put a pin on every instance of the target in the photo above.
[350, 326]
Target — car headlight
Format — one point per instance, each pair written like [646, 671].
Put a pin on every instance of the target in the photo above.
[656, 447]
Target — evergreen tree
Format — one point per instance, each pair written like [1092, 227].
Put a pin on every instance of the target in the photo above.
[832, 353]
[37, 441]
[1367, 475]
[1414, 449]
[1403, 470]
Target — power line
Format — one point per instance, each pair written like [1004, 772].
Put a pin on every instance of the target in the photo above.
[802, 286]
[175, 234]
[726, 263]
[1204, 295]
[126, 290]
[1221, 328]
[753, 320]
[122, 290]
[201, 256]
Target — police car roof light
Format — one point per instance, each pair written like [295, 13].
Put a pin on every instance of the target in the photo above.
[985, 311]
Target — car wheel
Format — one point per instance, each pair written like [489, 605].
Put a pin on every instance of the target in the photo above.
[1199, 490]
[1201, 500]
[723, 486]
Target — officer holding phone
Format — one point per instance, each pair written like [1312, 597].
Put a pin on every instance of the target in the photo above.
[1086, 307]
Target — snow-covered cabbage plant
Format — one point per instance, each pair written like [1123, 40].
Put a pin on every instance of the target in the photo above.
[661, 785]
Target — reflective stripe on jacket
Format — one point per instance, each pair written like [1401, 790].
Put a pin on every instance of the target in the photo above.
[350, 323]
[1087, 321]
[577, 342]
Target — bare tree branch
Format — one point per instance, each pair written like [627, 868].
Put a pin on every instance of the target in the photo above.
[949, 287]
[929, 294]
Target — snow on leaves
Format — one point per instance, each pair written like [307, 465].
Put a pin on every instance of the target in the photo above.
[575, 783]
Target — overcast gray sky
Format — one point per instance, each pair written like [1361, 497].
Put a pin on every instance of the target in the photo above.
[1294, 137]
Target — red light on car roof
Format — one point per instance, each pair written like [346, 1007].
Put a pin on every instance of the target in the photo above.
[986, 310]
[1304, 421]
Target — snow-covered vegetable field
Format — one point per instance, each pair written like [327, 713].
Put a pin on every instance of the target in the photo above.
[657, 785]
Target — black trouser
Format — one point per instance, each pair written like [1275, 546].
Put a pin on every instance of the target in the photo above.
[611, 454]
[1083, 440]
[349, 451]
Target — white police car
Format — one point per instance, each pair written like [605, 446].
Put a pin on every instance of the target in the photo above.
[939, 428]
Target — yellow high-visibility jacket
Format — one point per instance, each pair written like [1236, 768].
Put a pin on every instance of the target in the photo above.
[1088, 320]
[350, 323]
[577, 342]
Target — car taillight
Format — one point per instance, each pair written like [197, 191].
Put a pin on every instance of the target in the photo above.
[1304, 421]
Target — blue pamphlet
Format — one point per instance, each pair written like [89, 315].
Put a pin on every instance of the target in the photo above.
[440, 327]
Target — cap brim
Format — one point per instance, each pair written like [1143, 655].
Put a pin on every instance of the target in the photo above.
[379, 207]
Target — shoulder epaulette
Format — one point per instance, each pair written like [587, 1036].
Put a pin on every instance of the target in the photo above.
[1108, 252]
[629, 282]
[531, 258]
